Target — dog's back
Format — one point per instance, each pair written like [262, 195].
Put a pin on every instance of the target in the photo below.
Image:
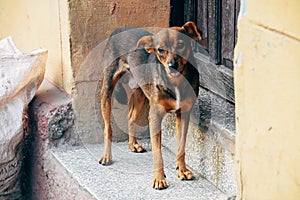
[121, 48]
[122, 42]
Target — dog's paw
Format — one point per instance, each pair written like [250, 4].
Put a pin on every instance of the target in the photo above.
[136, 148]
[105, 160]
[185, 174]
[159, 184]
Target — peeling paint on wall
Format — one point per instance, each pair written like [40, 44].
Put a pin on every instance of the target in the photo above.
[239, 59]
[243, 8]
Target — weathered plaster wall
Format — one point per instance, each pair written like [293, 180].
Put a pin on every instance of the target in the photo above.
[41, 24]
[267, 79]
[92, 21]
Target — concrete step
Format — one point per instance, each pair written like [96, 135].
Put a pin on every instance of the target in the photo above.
[129, 177]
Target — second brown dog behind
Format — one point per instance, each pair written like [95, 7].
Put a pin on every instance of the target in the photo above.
[161, 71]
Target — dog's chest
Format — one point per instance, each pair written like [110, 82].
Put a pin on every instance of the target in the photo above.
[177, 98]
[182, 99]
[169, 97]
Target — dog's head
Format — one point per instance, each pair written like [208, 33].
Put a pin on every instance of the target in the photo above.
[172, 47]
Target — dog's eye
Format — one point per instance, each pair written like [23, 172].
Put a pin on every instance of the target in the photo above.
[180, 45]
[160, 50]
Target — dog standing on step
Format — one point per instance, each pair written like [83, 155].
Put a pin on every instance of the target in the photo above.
[160, 69]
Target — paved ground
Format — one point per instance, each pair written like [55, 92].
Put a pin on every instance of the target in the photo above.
[130, 176]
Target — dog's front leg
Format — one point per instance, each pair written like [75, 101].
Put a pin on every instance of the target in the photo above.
[156, 115]
[182, 123]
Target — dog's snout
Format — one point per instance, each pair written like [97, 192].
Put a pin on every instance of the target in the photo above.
[173, 64]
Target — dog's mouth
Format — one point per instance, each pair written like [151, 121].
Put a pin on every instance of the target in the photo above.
[175, 73]
[176, 68]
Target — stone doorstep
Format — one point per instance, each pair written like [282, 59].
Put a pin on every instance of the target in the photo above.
[129, 177]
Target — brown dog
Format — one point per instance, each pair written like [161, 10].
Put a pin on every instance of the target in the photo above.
[160, 69]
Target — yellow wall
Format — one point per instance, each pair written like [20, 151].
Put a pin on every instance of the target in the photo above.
[40, 24]
[267, 81]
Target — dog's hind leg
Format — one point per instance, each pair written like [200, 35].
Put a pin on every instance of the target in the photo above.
[110, 78]
[136, 105]
[106, 94]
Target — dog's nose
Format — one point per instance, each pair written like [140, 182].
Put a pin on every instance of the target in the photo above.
[173, 64]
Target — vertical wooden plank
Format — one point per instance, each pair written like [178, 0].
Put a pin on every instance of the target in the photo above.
[214, 34]
[237, 11]
[228, 32]
[202, 21]
[189, 10]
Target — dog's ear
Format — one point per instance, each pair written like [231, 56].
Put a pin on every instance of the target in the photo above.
[147, 43]
[192, 31]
